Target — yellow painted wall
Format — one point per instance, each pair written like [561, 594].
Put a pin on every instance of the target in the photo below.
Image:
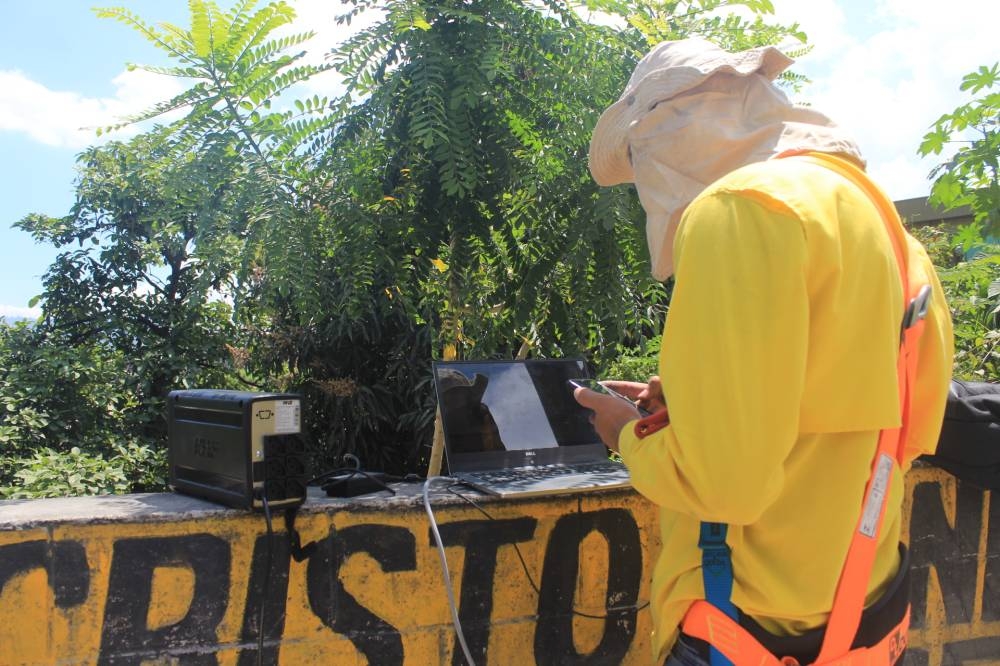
[145, 587]
[371, 592]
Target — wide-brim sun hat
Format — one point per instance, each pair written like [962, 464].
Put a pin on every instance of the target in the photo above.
[670, 69]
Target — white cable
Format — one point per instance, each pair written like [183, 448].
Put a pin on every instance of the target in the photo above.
[444, 565]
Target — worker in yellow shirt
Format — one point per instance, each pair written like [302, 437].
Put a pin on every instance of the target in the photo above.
[778, 369]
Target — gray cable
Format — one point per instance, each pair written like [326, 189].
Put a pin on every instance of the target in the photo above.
[444, 564]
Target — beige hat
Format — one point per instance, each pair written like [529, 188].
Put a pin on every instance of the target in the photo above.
[669, 69]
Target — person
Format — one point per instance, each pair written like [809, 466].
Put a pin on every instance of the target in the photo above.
[777, 371]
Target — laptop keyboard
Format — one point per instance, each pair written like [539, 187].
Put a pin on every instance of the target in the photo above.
[539, 473]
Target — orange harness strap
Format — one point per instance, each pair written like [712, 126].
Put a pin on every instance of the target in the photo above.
[705, 621]
[853, 584]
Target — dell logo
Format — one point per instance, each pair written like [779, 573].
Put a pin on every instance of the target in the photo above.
[205, 448]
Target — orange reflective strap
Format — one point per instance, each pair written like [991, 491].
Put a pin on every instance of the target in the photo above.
[849, 599]
[705, 621]
[852, 587]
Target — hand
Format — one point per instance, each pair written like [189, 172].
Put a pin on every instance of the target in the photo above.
[610, 414]
[648, 396]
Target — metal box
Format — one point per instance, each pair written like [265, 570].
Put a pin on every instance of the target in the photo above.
[237, 447]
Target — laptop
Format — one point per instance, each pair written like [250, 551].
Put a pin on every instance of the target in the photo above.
[513, 428]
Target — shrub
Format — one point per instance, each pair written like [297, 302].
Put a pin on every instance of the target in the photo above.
[51, 473]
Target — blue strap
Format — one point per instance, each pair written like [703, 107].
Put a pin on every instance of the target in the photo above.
[717, 575]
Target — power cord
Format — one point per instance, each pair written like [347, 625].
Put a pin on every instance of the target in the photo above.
[269, 554]
[295, 547]
[453, 607]
[297, 550]
[353, 481]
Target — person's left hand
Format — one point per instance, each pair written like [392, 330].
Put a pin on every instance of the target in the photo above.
[610, 414]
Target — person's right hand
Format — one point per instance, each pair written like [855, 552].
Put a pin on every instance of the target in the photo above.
[648, 396]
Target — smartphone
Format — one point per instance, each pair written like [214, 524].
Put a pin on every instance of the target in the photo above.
[598, 387]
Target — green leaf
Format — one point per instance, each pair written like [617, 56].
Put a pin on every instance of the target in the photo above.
[982, 78]
[934, 142]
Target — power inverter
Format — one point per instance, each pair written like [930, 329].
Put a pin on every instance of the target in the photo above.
[237, 447]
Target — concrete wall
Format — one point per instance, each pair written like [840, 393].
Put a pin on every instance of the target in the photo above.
[146, 579]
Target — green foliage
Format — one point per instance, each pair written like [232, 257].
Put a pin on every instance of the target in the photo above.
[52, 395]
[636, 365]
[481, 142]
[50, 473]
[970, 274]
[236, 72]
[71, 407]
[147, 257]
[970, 176]
[712, 19]
[972, 289]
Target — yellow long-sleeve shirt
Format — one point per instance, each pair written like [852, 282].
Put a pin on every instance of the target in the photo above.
[779, 369]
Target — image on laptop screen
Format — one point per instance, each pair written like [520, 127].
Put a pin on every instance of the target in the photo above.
[494, 410]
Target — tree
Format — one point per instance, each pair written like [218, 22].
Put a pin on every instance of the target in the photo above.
[149, 252]
[441, 207]
[69, 419]
[460, 201]
[971, 177]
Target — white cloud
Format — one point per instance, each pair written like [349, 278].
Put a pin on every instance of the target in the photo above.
[886, 70]
[14, 312]
[68, 119]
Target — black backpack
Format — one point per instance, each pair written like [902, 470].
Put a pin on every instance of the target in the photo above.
[969, 446]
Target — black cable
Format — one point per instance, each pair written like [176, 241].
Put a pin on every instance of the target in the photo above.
[349, 457]
[267, 577]
[356, 468]
[330, 472]
[298, 551]
[351, 471]
[351, 482]
[524, 565]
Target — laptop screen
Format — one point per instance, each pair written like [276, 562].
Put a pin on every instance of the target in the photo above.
[507, 413]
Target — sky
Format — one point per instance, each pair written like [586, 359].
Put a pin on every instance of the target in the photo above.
[883, 69]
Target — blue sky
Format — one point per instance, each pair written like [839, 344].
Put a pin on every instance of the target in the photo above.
[884, 69]
[62, 47]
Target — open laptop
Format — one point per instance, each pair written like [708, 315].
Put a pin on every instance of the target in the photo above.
[513, 428]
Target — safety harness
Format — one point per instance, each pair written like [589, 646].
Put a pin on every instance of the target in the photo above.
[715, 619]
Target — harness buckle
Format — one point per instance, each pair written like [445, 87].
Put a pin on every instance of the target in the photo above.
[917, 309]
[715, 553]
[713, 535]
